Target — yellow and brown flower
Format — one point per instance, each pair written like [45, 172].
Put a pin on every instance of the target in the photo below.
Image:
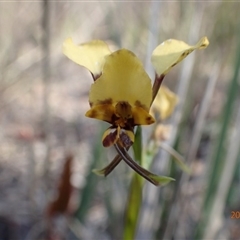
[122, 93]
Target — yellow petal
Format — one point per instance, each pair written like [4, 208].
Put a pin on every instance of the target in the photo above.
[141, 116]
[164, 103]
[123, 79]
[90, 55]
[102, 112]
[171, 52]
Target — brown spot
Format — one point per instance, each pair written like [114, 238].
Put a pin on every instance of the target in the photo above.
[139, 104]
[91, 104]
[174, 64]
[149, 120]
[117, 52]
[124, 111]
[95, 77]
[93, 114]
[110, 139]
[106, 101]
[125, 139]
[184, 54]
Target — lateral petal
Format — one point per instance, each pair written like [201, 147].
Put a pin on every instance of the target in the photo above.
[141, 116]
[90, 55]
[171, 52]
[102, 112]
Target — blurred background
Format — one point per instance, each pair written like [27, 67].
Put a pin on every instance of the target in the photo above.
[45, 139]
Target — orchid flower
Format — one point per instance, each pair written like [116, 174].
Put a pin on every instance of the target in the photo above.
[122, 92]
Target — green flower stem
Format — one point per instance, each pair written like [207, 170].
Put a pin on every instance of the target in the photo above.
[137, 145]
[133, 207]
[134, 201]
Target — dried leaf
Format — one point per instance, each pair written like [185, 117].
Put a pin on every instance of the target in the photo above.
[60, 204]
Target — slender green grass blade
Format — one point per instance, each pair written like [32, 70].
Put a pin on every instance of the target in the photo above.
[91, 182]
[179, 160]
[218, 158]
